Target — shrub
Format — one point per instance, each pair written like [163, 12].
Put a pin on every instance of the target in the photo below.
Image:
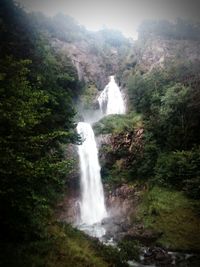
[180, 169]
[129, 249]
[117, 123]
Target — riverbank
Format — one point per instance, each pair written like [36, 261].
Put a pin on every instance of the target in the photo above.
[152, 224]
[155, 216]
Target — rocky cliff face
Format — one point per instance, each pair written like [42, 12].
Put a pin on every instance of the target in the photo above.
[94, 63]
[158, 52]
[89, 66]
[118, 152]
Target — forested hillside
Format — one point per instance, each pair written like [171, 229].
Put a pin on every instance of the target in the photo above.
[155, 146]
[39, 89]
[166, 95]
[51, 74]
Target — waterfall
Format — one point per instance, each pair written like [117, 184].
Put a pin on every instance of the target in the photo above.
[110, 100]
[92, 206]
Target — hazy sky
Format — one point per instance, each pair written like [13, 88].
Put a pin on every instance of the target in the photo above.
[124, 15]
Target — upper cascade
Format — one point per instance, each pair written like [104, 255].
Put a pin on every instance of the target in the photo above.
[111, 100]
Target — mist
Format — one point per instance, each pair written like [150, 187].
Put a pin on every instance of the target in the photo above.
[123, 15]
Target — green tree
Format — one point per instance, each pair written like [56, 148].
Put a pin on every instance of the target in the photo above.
[32, 167]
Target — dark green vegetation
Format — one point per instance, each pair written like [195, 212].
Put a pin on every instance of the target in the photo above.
[165, 103]
[168, 100]
[36, 116]
[164, 106]
[157, 142]
[38, 89]
[64, 247]
[117, 123]
[174, 215]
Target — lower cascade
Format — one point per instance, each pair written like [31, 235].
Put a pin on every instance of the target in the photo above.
[92, 205]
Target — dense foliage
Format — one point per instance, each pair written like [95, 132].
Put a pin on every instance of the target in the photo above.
[37, 89]
[36, 116]
[168, 100]
[173, 216]
[164, 100]
[117, 123]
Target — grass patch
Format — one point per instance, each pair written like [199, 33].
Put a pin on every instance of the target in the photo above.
[117, 123]
[64, 247]
[175, 215]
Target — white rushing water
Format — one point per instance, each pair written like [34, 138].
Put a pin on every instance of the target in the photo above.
[111, 100]
[92, 206]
